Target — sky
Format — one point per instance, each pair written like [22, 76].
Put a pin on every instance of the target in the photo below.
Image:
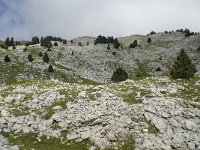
[23, 19]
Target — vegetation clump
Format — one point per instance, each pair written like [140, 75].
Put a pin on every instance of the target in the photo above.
[50, 69]
[183, 67]
[149, 40]
[9, 42]
[7, 58]
[133, 44]
[108, 47]
[186, 32]
[105, 40]
[35, 40]
[119, 75]
[40, 54]
[30, 58]
[46, 57]
[46, 41]
[55, 44]
[80, 44]
[25, 49]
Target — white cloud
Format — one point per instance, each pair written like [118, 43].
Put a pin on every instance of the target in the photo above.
[73, 18]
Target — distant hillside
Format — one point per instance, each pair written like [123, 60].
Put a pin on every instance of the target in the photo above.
[96, 62]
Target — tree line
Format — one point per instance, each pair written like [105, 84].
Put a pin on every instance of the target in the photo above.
[107, 40]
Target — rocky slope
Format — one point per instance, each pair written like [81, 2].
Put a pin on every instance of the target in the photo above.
[152, 113]
[76, 107]
[96, 63]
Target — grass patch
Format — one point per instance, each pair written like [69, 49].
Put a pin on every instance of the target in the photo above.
[30, 141]
[164, 44]
[142, 70]
[151, 129]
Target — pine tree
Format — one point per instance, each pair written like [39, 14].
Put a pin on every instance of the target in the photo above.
[55, 44]
[25, 49]
[50, 69]
[30, 58]
[149, 40]
[7, 41]
[183, 67]
[134, 44]
[11, 41]
[80, 44]
[119, 75]
[116, 43]
[65, 41]
[35, 40]
[7, 58]
[108, 47]
[46, 57]
[40, 54]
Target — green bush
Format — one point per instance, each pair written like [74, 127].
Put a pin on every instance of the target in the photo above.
[119, 75]
[142, 70]
[183, 67]
[7, 58]
[108, 47]
[80, 44]
[30, 58]
[134, 44]
[55, 44]
[25, 49]
[149, 40]
[40, 54]
[46, 57]
[50, 69]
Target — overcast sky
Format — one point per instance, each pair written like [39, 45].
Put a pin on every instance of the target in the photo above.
[24, 19]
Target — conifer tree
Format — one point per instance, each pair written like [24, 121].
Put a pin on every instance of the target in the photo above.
[46, 57]
[40, 54]
[30, 58]
[134, 44]
[119, 75]
[108, 47]
[183, 67]
[7, 58]
[25, 49]
[65, 41]
[55, 44]
[50, 69]
[149, 40]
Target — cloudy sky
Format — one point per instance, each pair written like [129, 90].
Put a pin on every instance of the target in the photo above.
[23, 19]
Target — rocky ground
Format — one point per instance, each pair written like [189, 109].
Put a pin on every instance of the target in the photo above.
[151, 113]
[96, 62]
[77, 107]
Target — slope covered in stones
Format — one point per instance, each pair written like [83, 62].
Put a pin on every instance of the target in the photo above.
[145, 114]
[97, 63]
[73, 108]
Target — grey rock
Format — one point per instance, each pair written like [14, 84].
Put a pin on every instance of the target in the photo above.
[191, 146]
[111, 137]
[5, 113]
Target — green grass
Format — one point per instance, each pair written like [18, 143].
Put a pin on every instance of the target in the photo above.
[190, 91]
[151, 128]
[142, 70]
[29, 141]
[164, 44]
